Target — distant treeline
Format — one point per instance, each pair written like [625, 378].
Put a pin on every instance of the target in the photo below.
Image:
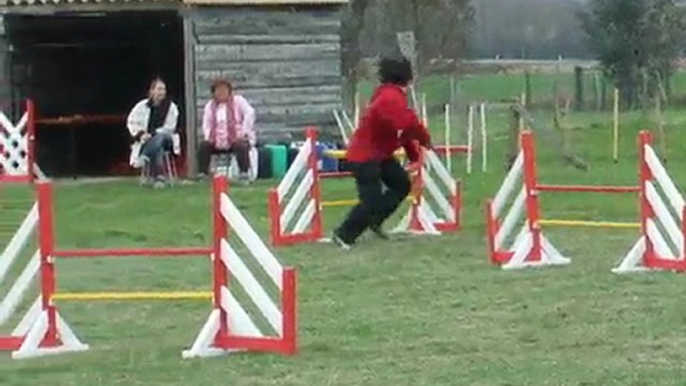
[532, 29]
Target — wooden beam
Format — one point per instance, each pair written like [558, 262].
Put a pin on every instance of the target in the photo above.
[49, 8]
[189, 81]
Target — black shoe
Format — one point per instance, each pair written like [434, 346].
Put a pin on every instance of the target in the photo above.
[376, 229]
[339, 241]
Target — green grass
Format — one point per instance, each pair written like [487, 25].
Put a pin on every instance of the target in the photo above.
[426, 311]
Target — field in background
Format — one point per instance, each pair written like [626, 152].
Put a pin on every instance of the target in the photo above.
[430, 311]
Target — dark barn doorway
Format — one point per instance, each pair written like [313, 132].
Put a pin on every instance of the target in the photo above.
[84, 73]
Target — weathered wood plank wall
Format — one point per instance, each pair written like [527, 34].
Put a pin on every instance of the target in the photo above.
[284, 60]
[5, 81]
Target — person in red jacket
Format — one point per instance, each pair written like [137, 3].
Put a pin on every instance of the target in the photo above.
[387, 124]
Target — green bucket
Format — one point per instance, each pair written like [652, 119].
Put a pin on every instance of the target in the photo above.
[279, 160]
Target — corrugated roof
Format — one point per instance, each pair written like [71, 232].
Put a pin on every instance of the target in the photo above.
[16, 3]
[198, 2]
[266, 2]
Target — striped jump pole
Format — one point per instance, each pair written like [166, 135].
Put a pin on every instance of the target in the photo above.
[660, 247]
[296, 204]
[42, 331]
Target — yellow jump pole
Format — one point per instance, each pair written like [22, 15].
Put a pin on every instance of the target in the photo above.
[340, 154]
[339, 203]
[592, 224]
[122, 296]
[351, 202]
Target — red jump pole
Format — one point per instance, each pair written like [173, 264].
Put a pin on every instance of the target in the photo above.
[220, 277]
[454, 149]
[329, 175]
[645, 138]
[288, 309]
[532, 206]
[457, 203]
[14, 179]
[417, 192]
[315, 191]
[47, 264]
[275, 218]
[491, 230]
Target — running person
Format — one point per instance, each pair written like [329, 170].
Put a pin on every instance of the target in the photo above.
[388, 123]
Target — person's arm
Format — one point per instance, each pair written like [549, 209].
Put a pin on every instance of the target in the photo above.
[403, 119]
[412, 150]
[248, 113]
[135, 121]
[171, 121]
[421, 135]
[207, 121]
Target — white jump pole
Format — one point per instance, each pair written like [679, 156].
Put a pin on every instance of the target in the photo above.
[470, 142]
[484, 139]
[348, 122]
[615, 127]
[425, 117]
[356, 111]
[341, 126]
[448, 158]
[413, 94]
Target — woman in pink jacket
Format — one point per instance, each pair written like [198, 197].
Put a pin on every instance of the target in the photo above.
[228, 126]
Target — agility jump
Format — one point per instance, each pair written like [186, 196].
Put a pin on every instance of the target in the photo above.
[296, 204]
[655, 249]
[43, 331]
[663, 230]
[17, 147]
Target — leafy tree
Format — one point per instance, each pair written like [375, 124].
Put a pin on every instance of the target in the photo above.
[351, 29]
[369, 29]
[440, 26]
[636, 41]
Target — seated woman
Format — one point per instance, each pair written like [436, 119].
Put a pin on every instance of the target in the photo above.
[228, 126]
[152, 122]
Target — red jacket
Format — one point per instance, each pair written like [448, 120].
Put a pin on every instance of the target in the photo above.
[387, 124]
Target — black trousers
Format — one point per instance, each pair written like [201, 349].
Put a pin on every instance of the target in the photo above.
[376, 205]
[240, 149]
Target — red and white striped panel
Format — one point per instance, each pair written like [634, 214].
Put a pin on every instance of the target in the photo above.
[436, 202]
[41, 331]
[515, 239]
[231, 326]
[295, 204]
[663, 231]
[17, 147]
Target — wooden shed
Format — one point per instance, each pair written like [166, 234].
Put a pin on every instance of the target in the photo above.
[85, 63]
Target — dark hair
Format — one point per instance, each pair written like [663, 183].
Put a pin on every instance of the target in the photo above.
[154, 83]
[221, 82]
[396, 70]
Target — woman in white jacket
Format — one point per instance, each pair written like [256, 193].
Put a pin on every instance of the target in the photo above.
[152, 122]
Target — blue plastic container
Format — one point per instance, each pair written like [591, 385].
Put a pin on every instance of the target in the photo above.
[319, 148]
[326, 164]
[330, 164]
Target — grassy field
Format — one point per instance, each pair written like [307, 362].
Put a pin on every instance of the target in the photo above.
[426, 311]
